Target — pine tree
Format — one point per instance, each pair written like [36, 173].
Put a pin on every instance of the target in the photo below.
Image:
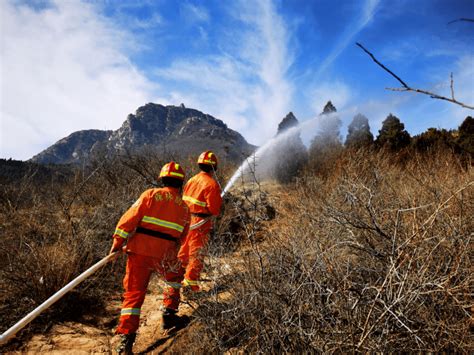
[358, 133]
[327, 143]
[329, 126]
[291, 154]
[433, 138]
[328, 108]
[393, 135]
[466, 135]
[286, 123]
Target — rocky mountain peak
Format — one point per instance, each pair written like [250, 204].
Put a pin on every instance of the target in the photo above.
[179, 129]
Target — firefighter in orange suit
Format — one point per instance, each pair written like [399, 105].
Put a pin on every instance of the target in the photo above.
[202, 194]
[153, 227]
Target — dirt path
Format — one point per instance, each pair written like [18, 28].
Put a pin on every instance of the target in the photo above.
[97, 336]
[78, 338]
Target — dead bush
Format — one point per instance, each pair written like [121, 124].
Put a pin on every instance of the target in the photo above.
[53, 232]
[374, 257]
[53, 229]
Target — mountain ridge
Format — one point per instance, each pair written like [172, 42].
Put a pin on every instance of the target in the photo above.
[174, 129]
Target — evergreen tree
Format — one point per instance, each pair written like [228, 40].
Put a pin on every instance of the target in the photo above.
[328, 108]
[433, 138]
[291, 155]
[466, 135]
[326, 144]
[289, 121]
[393, 135]
[358, 133]
[329, 126]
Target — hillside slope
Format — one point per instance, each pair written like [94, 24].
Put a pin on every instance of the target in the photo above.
[173, 129]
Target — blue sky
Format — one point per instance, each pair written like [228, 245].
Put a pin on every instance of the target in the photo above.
[70, 65]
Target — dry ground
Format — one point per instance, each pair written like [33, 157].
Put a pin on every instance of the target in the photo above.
[78, 338]
[326, 273]
[95, 334]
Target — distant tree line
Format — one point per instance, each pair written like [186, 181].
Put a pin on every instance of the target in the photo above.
[392, 137]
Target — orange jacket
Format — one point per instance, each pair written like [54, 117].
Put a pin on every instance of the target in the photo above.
[160, 210]
[202, 194]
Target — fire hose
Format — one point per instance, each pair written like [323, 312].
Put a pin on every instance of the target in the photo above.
[50, 301]
[10, 333]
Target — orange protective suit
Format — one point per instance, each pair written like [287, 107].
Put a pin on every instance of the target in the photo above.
[202, 194]
[160, 220]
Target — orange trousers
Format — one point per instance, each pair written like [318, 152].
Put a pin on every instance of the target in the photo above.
[191, 255]
[135, 283]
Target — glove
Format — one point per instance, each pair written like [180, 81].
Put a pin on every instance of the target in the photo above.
[117, 245]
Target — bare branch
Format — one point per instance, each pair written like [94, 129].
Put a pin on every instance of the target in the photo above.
[383, 66]
[421, 91]
[461, 20]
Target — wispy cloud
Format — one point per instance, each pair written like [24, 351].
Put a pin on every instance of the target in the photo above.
[154, 20]
[64, 68]
[245, 85]
[367, 13]
[194, 13]
[339, 91]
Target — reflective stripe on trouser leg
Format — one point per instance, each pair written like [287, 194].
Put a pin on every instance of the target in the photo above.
[171, 294]
[187, 282]
[135, 283]
[130, 311]
[196, 242]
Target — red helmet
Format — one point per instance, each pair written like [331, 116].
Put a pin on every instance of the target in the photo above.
[172, 170]
[208, 158]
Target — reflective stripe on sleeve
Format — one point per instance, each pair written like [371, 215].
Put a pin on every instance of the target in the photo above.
[187, 282]
[163, 223]
[193, 200]
[121, 233]
[130, 311]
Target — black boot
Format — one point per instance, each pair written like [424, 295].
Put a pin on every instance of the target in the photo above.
[126, 344]
[171, 320]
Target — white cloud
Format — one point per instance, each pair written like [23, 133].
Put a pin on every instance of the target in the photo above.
[194, 13]
[213, 86]
[246, 86]
[154, 20]
[64, 68]
[367, 13]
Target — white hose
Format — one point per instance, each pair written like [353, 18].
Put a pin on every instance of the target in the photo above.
[199, 224]
[10, 333]
[50, 301]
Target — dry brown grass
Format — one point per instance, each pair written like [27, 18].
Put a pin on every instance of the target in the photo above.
[51, 232]
[374, 255]
[54, 228]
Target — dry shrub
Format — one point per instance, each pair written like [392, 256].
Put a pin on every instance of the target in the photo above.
[377, 256]
[52, 232]
[241, 218]
[52, 228]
